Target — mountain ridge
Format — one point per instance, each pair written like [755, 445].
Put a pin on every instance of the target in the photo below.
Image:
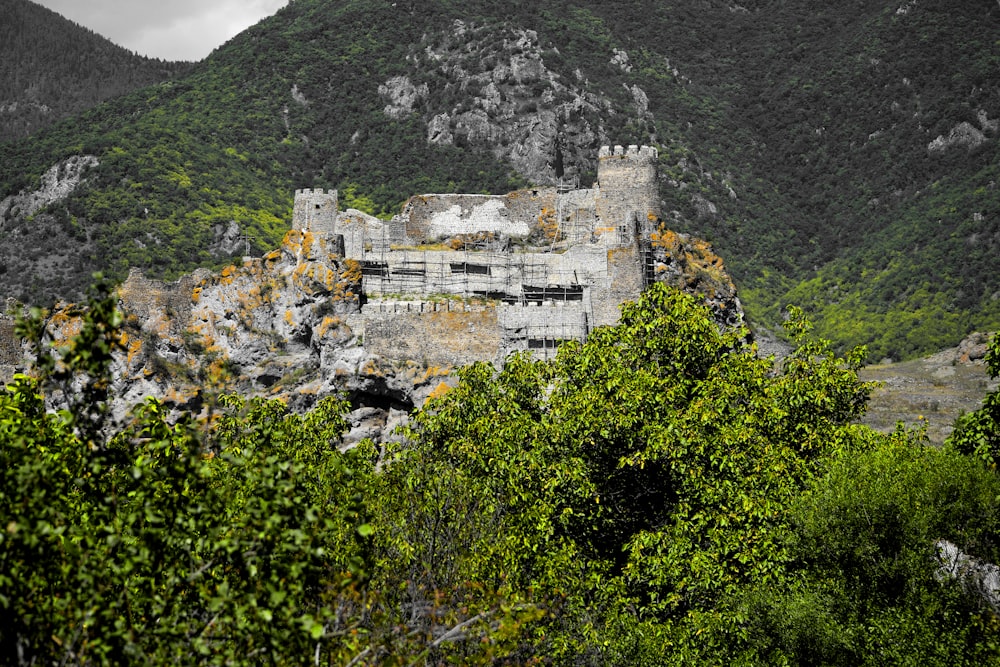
[52, 68]
[796, 139]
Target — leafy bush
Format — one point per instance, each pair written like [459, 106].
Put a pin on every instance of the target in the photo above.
[655, 495]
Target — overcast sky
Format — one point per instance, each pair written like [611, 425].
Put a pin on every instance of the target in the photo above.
[168, 29]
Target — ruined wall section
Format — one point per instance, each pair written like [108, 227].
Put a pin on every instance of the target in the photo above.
[628, 195]
[363, 233]
[11, 353]
[433, 218]
[434, 333]
[576, 212]
[168, 305]
[626, 280]
[315, 210]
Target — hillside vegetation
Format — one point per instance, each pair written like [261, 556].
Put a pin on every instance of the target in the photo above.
[840, 157]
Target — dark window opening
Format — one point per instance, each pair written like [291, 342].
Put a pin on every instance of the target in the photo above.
[466, 268]
[544, 343]
[553, 293]
[374, 269]
[409, 271]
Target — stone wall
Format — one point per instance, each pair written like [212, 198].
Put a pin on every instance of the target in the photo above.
[360, 231]
[540, 327]
[577, 216]
[627, 182]
[499, 275]
[432, 334]
[315, 211]
[626, 280]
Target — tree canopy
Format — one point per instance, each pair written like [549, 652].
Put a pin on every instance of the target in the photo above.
[658, 494]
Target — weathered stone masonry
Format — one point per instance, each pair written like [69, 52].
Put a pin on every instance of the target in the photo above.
[460, 278]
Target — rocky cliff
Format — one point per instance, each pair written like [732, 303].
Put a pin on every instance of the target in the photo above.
[276, 326]
[289, 325]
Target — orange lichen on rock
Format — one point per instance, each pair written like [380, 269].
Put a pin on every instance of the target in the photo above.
[227, 275]
[549, 224]
[351, 271]
[329, 323]
[307, 242]
[64, 326]
[133, 348]
[439, 391]
[665, 238]
[432, 372]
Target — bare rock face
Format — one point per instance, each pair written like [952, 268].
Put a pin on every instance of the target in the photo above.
[689, 264]
[978, 577]
[964, 134]
[401, 96]
[507, 100]
[279, 326]
[57, 183]
[228, 239]
[973, 348]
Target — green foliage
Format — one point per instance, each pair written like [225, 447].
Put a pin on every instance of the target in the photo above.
[149, 546]
[867, 588]
[51, 68]
[978, 433]
[655, 495]
[658, 458]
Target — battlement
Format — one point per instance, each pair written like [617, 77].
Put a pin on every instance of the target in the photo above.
[310, 192]
[633, 152]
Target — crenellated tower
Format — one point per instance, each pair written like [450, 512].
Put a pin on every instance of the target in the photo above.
[315, 210]
[628, 193]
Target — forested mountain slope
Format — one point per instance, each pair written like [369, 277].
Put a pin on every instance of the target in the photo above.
[840, 157]
[51, 68]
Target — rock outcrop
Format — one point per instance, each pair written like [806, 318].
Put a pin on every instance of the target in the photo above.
[492, 88]
[690, 265]
[278, 326]
[57, 183]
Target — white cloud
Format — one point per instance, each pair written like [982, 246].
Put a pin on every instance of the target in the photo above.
[168, 29]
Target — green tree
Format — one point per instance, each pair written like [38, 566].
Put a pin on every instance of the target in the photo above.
[627, 487]
[155, 544]
[866, 584]
[657, 494]
[978, 433]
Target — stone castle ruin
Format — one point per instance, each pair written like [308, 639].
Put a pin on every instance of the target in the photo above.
[459, 278]
[453, 279]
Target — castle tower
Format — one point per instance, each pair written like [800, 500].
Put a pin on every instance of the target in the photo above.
[628, 193]
[315, 211]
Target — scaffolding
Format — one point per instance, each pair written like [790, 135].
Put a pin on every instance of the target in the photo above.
[542, 328]
[481, 266]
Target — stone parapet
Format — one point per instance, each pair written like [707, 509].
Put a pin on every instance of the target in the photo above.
[638, 153]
